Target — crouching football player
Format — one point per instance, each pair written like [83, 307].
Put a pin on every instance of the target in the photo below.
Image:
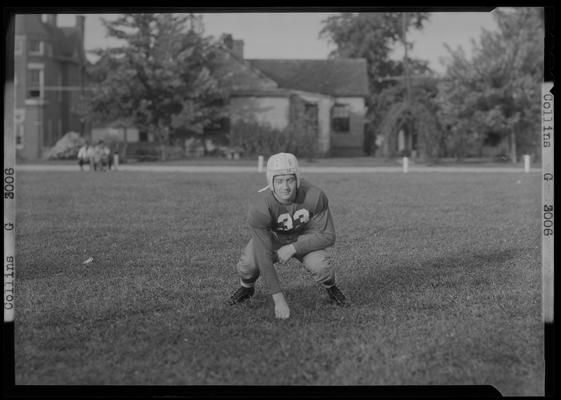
[291, 218]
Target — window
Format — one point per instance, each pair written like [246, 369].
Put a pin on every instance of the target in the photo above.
[19, 120]
[35, 47]
[19, 136]
[340, 121]
[18, 45]
[35, 82]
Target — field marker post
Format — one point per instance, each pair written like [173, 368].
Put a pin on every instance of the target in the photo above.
[260, 164]
[116, 161]
[405, 164]
[526, 163]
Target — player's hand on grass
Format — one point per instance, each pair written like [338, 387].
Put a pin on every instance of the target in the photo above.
[285, 253]
[282, 311]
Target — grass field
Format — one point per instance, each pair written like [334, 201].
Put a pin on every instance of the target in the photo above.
[443, 271]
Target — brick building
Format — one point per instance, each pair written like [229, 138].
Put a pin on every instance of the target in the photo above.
[49, 68]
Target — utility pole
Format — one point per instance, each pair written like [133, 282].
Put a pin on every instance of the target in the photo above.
[409, 123]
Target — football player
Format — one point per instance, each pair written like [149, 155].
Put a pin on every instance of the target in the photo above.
[289, 218]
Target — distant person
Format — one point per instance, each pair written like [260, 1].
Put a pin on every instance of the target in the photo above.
[98, 155]
[90, 153]
[291, 219]
[84, 155]
[106, 158]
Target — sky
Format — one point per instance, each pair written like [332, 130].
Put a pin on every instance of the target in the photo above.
[295, 35]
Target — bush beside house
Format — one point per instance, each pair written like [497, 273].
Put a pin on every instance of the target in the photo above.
[66, 147]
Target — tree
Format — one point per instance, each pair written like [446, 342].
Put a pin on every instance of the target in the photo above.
[159, 79]
[373, 36]
[498, 90]
[415, 112]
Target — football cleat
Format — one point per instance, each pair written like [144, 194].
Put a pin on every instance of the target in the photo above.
[242, 294]
[337, 297]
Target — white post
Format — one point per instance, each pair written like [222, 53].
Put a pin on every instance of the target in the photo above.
[115, 161]
[405, 164]
[526, 163]
[260, 164]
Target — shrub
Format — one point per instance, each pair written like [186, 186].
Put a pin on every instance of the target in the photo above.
[257, 138]
[66, 147]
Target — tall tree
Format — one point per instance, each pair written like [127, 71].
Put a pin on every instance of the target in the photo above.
[498, 90]
[373, 36]
[160, 78]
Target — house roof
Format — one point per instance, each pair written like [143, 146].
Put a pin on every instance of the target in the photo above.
[238, 75]
[335, 77]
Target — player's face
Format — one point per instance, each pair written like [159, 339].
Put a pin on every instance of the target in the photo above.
[285, 188]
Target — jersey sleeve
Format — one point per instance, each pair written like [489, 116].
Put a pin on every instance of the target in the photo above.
[320, 231]
[260, 226]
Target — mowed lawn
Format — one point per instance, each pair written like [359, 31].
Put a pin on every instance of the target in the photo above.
[443, 270]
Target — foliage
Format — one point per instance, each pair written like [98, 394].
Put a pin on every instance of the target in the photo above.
[497, 90]
[301, 132]
[67, 147]
[256, 138]
[373, 36]
[259, 138]
[416, 114]
[159, 79]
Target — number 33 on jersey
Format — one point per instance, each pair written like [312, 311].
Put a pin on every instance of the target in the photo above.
[286, 223]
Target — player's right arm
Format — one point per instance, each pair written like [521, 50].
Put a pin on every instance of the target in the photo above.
[260, 226]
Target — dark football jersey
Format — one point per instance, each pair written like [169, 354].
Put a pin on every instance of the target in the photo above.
[306, 224]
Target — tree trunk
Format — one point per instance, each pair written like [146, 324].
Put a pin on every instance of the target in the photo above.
[387, 146]
[162, 137]
[124, 155]
[459, 147]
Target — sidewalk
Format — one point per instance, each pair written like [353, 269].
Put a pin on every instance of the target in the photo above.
[306, 169]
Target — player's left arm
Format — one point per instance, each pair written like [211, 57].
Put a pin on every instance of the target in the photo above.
[320, 231]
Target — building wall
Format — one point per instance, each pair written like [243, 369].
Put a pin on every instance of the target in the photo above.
[324, 104]
[351, 142]
[264, 110]
[43, 121]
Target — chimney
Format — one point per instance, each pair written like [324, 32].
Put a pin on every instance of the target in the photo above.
[237, 48]
[51, 19]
